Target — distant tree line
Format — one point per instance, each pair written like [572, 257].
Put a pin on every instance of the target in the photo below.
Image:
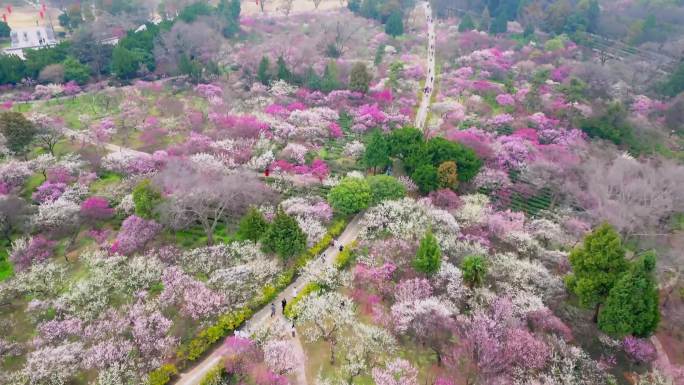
[85, 56]
[389, 13]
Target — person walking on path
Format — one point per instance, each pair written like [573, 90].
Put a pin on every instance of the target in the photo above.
[284, 303]
[272, 309]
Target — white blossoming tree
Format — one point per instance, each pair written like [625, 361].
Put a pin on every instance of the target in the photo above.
[325, 317]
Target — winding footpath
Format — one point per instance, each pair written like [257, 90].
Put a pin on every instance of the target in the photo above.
[421, 115]
[263, 316]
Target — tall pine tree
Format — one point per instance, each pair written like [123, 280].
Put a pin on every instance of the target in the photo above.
[632, 304]
[429, 256]
[252, 225]
[597, 265]
[284, 237]
[377, 152]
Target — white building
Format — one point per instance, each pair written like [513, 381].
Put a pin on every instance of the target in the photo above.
[30, 38]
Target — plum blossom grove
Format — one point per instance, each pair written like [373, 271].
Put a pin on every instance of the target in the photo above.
[151, 229]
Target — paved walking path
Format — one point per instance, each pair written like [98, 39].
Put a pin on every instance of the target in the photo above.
[194, 375]
[421, 115]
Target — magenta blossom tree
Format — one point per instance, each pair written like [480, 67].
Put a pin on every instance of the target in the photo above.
[26, 252]
[96, 209]
[134, 235]
[48, 192]
[639, 349]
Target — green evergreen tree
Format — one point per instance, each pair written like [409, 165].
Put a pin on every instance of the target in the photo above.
[312, 80]
[4, 30]
[191, 67]
[405, 141]
[284, 237]
[359, 78]
[12, 69]
[632, 304]
[429, 256]
[395, 24]
[330, 80]
[466, 24]
[499, 25]
[675, 83]
[283, 73]
[426, 178]
[485, 20]
[596, 265]
[529, 30]
[235, 10]
[440, 150]
[474, 268]
[75, 70]
[263, 73]
[125, 63]
[593, 15]
[377, 152]
[145, 198]
[252, 226]
[17, 130]
[396, 68]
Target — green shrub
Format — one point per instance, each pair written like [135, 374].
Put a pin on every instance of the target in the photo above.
[385, 187]
[345, 257]
[145, 197]
[350, 196]
[308, 289]
[268, 293]
[162, 375]
[214, 376]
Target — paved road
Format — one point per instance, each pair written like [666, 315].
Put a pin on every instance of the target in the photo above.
[194, 375]
[421, 115]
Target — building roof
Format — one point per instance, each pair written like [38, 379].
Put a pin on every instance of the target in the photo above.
[32, 37]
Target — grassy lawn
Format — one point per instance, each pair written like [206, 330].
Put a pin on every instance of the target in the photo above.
[5, 264]
[195, 237]
[105, 180]
[31, 184]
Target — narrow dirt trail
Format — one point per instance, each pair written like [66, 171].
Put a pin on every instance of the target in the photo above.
[300, 370]
[421, 115]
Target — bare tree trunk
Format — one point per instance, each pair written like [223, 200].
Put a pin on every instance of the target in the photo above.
[332, 351]
[596, 313]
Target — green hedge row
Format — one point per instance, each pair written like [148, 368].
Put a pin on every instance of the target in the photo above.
[345, 257]
[342, 261]
[214, 376]
[227, 323]
[162, 375]
[308, 289]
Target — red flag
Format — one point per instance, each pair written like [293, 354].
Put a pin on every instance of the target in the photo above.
[9, 9]
[4, 18]
[42, 15]
[257, 2]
